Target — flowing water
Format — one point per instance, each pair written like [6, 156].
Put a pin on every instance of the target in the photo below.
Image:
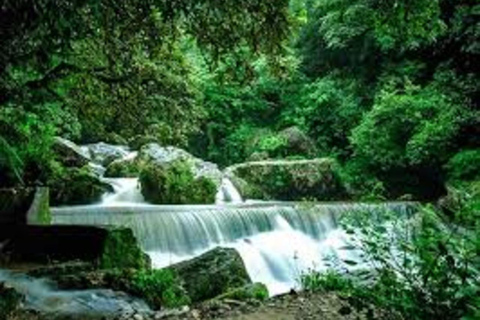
[42, 296]
[277, 241]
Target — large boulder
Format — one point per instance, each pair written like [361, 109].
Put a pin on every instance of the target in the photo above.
[212, 274]
[297, 142]
[104, 153]
[69, 154]
[316, 179]
[173, 176]
[70, 186]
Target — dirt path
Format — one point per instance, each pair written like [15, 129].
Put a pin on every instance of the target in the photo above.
[289, 307]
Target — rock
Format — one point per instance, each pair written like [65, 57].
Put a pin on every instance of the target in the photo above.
[290, 180]
[71, 186]
[212, 274]
[297, 142]
[69, 154]
[171, 175]
[103, 153]
[154, 153]
[138, 317]
[127, 167]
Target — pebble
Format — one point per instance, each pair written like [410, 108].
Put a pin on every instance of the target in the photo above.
[138, 317]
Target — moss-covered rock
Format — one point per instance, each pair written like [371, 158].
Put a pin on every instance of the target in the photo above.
[76, 186]
[175, 183]
[123, 168]
[297, 142]
[289, 180]
[69, 154]
[212, 274]
[121, 250]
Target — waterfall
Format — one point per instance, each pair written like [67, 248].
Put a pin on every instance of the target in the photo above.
[227, 193]
[277, 242]
[42, 296]
[126, 192]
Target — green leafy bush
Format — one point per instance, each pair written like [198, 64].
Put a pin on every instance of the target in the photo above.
[465, 165]
[420, 267]
[159, 288]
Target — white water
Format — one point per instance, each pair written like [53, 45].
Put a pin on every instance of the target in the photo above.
[44, 297]
[227, 193]
[127, 192]
[277, 242]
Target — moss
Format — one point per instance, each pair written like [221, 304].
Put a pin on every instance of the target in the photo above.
[212, 274]
[39, 212]
[174, 183]
[290, 180]
[255, 291]
[123, 169]
[121, 250]
[76, 186]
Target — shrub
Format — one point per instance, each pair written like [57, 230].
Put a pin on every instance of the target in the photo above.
[465, 165]
[421, 267]
[159, 288]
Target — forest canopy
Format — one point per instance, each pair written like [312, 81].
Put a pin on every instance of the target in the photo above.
[388, 88]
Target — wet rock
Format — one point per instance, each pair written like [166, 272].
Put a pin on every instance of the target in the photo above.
[212, 274]
[289, 180]
[70, 154]
[104, 154]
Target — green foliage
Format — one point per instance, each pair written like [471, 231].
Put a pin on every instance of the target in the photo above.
[159, 288]
[74, 185]
[10, 301]
[121, 250]
[465, 165]
[174, 183]
[422, 267]
[256, 291]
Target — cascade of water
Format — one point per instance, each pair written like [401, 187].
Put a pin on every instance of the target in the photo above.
[42, 296]
[227, 193]
[277, 242]
[126, 192]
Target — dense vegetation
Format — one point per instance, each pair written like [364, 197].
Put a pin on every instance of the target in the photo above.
[389, 90]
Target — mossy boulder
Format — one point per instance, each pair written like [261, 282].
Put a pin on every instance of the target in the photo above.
[171, 175]
[317, 179]
[121, 250]
[69, 186]
[212, 274]
[175, 183]
[123, 168]
[69, 154]
[297, 142]
[10, 301]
